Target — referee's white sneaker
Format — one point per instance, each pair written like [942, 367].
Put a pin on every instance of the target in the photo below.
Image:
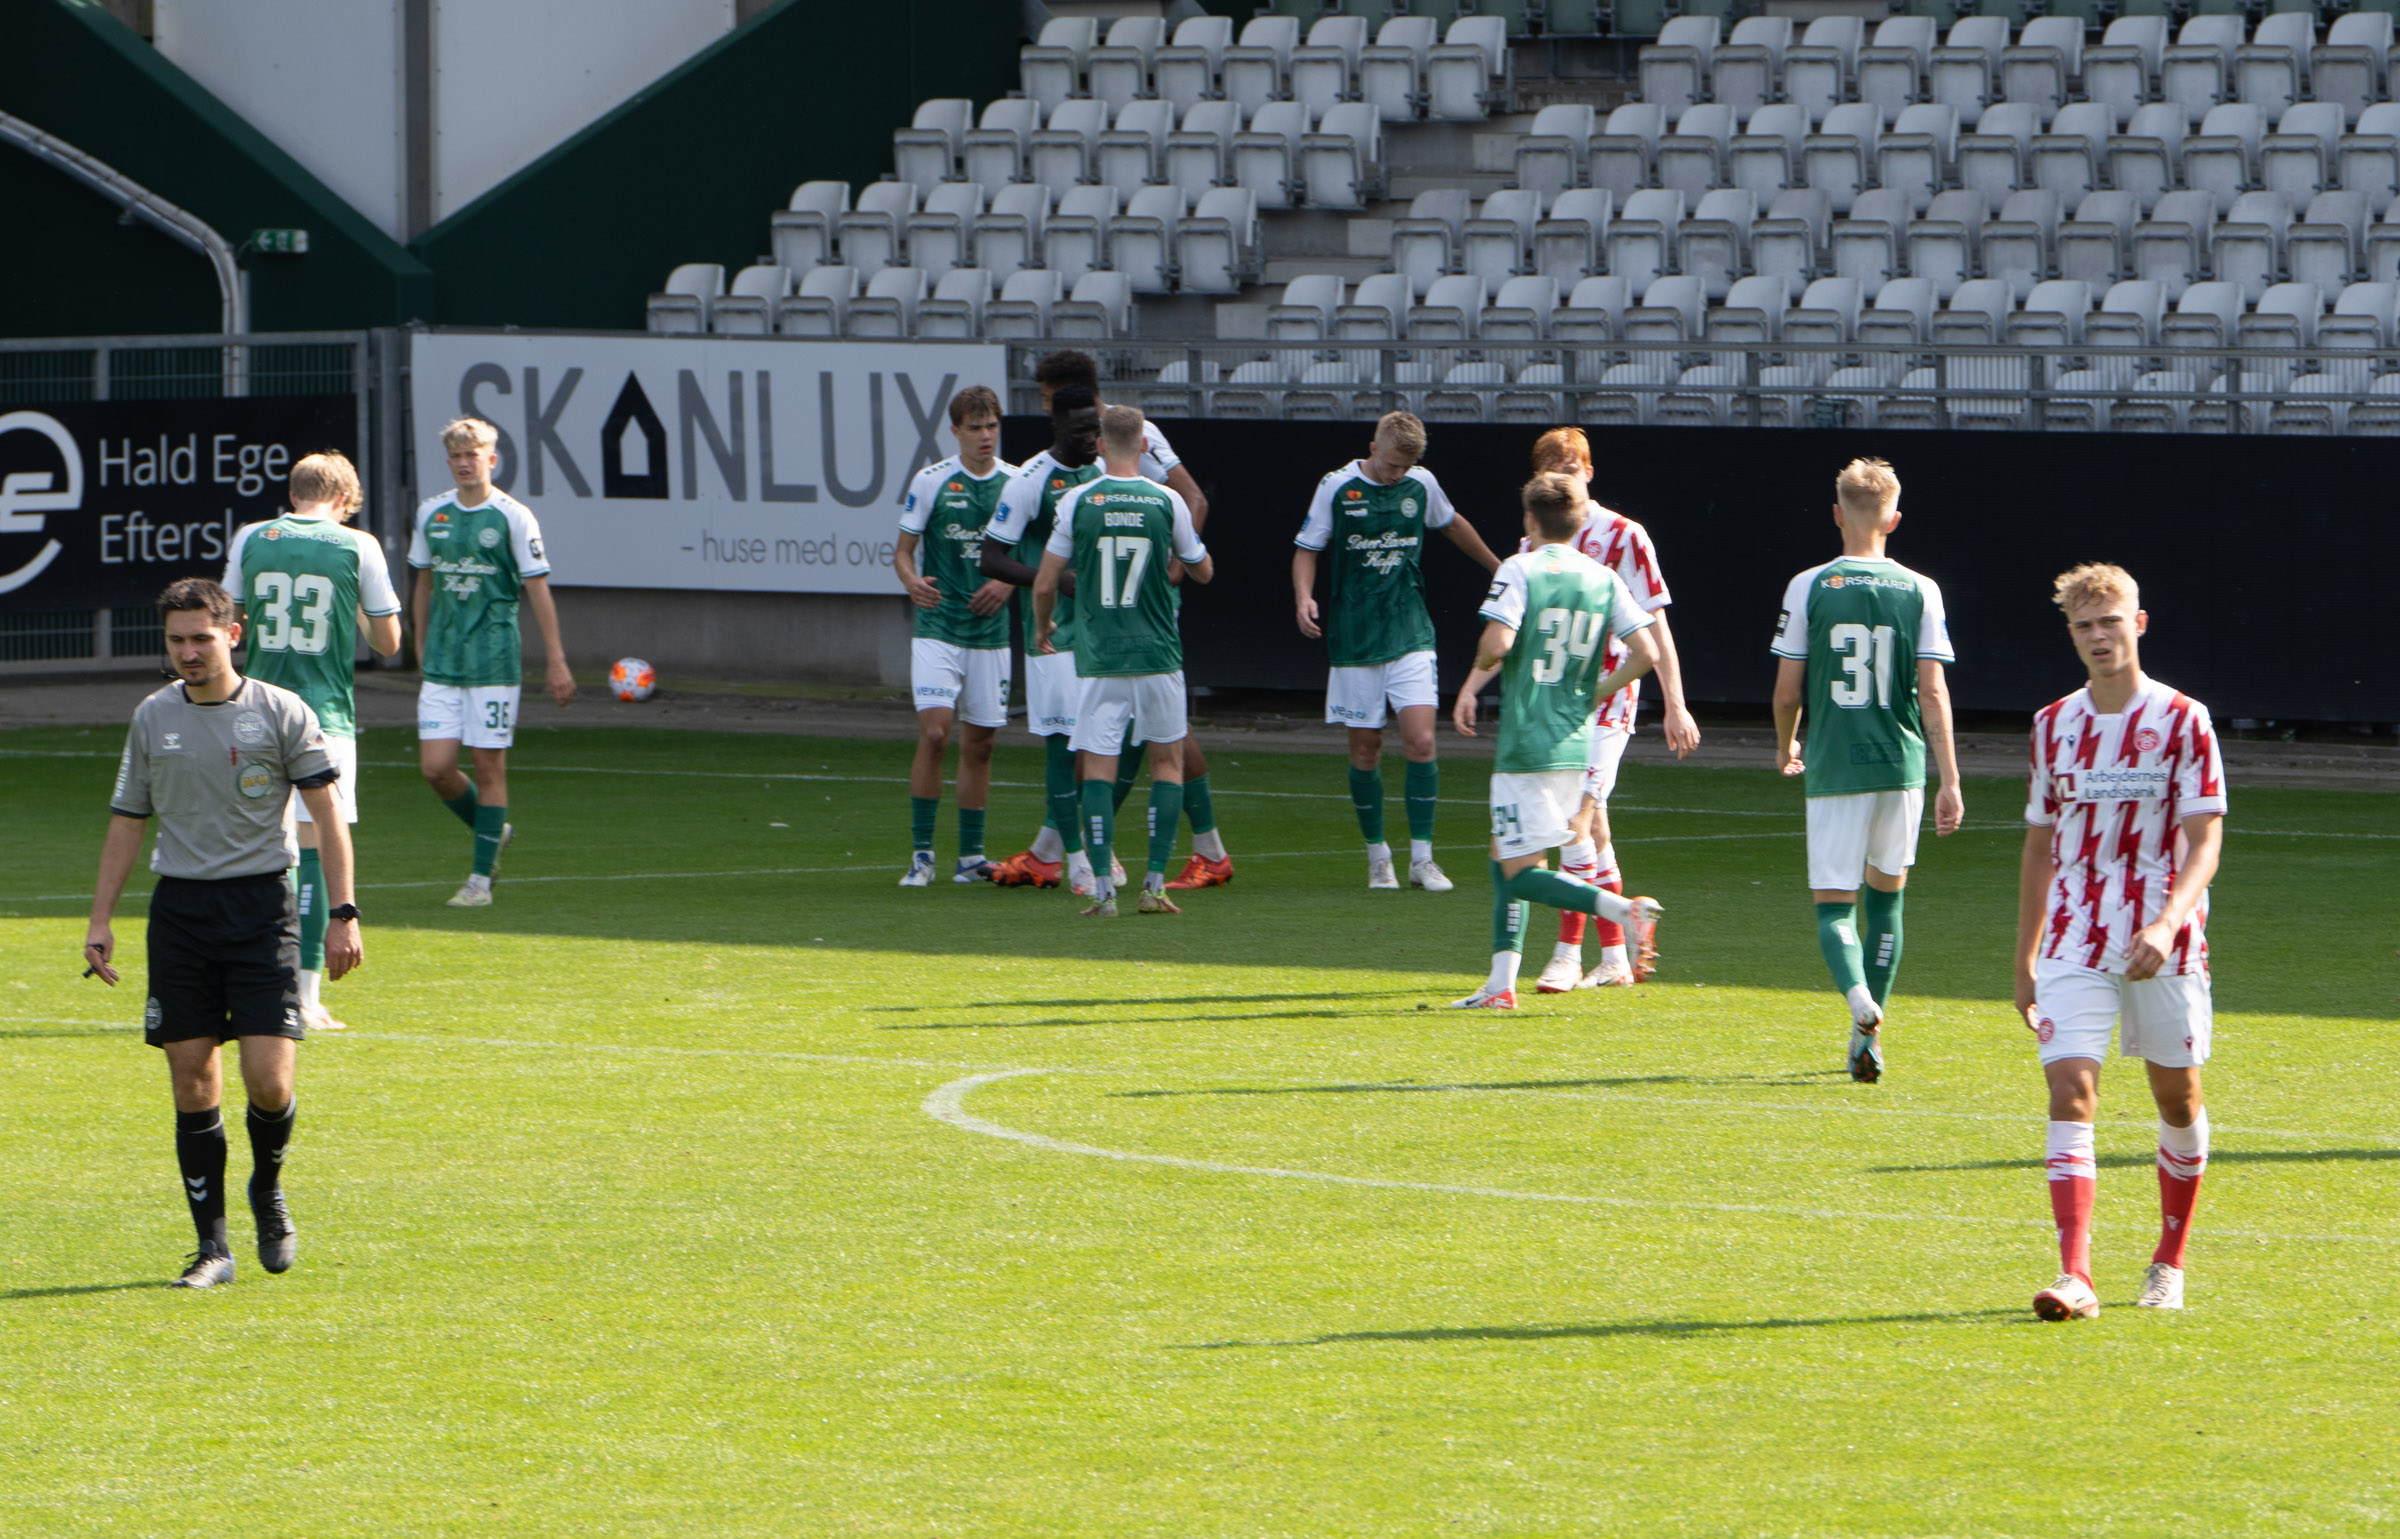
[471, 896]
[920, 870]
[205, 1269]
[2162, 1287]
[1425, 874]
[2069, 1298]
[1380, 875]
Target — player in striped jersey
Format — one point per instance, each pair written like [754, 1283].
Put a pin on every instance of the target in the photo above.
[2125, 807]
[958, 656]
[305, 588]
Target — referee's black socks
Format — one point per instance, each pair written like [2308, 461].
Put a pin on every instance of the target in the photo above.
[268, 1136]
[200, 1151]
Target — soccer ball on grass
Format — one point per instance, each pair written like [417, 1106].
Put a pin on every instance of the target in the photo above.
[632, 679]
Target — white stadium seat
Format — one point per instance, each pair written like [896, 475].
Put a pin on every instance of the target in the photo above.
[1184, 73]
[802, 232]
[683, 306]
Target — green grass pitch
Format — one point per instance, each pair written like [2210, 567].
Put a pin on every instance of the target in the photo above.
[712, 1184]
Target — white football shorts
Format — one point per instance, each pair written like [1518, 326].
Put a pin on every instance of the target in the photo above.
[1356, 697]
[482, 716]
[1847, 834]
[1530, 812]
[972, 681]
[1052, 692]
[1153, 702]
[1600, 773]
[343, 751]
[2166, 1020]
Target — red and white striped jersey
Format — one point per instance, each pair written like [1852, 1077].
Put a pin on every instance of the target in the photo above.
[1624, 547]
[2114, 791]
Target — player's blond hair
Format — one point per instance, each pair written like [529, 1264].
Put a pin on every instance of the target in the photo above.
[1403, 432]
[2095, 582]
[469, 433]
[1867, 486]
[1121, 430]
[1562, 449]
[1555, 499]
[328, 476]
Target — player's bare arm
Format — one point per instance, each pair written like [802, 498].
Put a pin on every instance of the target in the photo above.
[1180, 482]
[117, 855]
[923, 591]
[1791, 680]
[1933, 699]
[381, 631]
[1000, 566]
[1683, 733]
[545, 619]
[1304, 592]
[1046, 584]
[420, 610]
[343, 950]
[2203, 836]
[1470, 695]
[1462, 534]
[2035, 872]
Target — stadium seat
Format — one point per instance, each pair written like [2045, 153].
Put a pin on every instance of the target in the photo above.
[1713, 245]
[1891, 72]
[1747, 71]
[747, 309]
[1471, 72]
[1217, 248]
[2053, 315]
[2325, 244]
[1075, 237]
[1587, 321]
[1051, 69]
[2117, 74]
[2246, 248]
[801, 233]
[2315, 404]
[1391, 71]
[2046, 59]
[682, 308]
[870, 233]
[1555, 154]
[2205, 317]
[1976, 315]
[1623, 154]
[1791, 240]
[2169, 245]
[2367, 160]
[2150, 406]
[2096, 244]
[1059, 154]
[1022, 312]
[1132, 153]
[889, 306]
[1917, 155]
[2348, 71]
[1764, 158]
[1342, 160]
[1498, 241]
[1673, 309]
[1449, 310]
[1197, 153]
[1377, 312]
[1692, 159]
[956, 309]
[1964, 72]
[822, 307]
[1521, 311]
[1641, 239]
[1252, 72]
[1837, 158]
[1325, 392]
[1099, 310]
[2368, 310]
[1118, 72]
[1674, 70]
[939, 234]
[1141, 240]
[2017, 246]
[1184, 73]
[1942, 245]
[1827, 312]
[2270, 71]
[1567, 241]
[1816, 71]
[1752, 314]
[2068, 156]
[2131, 314]
[2193, 74]
[1266, 155]
[1008, 235]
[2297, 159]
[2145, 160]
[2285, 317]
[1866, 245]
[1307, 309]
[1323, 72]
[1993, 158]
[926, 152]
[1465, 392]
[1425, 241]
[994, 153]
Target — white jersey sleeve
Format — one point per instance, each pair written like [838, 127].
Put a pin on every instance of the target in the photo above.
[1438, 511]
[1062, 532]
[1791, 632]
[1506, 600]
[1933, 628]
[1188, 548]
[1158, 456]
[420, 549]
[916, 509]
[1316, 530]
[1020, 502]
[524, 536]
[376, 595]
[233, 562]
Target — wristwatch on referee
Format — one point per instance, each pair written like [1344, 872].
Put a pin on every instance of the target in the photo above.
[347, 911]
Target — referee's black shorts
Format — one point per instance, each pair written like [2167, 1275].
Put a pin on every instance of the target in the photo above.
[224, 960]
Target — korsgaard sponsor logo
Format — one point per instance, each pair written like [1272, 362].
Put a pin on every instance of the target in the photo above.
[1867, 580]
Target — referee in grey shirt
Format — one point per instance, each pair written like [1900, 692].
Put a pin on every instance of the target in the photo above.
[216, 757]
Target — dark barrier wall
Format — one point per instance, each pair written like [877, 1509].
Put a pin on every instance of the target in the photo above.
[2259, 558]
[691, 168]
[71, 268]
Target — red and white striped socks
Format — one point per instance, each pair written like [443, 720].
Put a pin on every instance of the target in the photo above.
[2074, 1180]
[2182, 1159]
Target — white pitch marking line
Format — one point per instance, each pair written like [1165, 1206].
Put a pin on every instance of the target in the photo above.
[947, 1104]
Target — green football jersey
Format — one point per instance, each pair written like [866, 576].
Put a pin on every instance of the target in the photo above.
[949, 508]
[480, 558]
[1374, 536]
[301, 583]
[1564, 606]
[1027, 514]
[1861, 624]
[1120, 534]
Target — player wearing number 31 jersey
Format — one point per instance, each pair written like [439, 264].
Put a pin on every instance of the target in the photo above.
[1863, 642]
[307, 587]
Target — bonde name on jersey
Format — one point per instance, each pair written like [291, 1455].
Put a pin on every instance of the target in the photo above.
[1115, 520]
[2111, 785]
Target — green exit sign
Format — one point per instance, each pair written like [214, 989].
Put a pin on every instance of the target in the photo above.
[280, 242]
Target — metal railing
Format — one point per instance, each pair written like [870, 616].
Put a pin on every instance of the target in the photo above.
[2144, 388]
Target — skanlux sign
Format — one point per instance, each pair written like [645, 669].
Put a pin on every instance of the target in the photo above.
[758, 464]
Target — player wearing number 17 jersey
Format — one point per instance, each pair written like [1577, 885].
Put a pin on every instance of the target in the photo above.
[306, 587]
[1863, 641]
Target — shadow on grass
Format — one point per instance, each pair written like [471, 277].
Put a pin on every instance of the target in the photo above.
[80, 1288]
[1158, 1020]
[1602, 1330]
[2145, 1161]
[1148, 999]
[1409, 1087]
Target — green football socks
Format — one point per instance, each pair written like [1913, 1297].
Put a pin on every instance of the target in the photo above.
[1058, 777]
[1366, 795]
[1879, 940]
[1423, 788]
[1537, 884]
[1198, 807]
[463, 807]
[921, 811]
[1509, 914]
[970, 832]
[1099, 824]
[312, 912]
[489, 821]
[1837, 937]
[1166, 810]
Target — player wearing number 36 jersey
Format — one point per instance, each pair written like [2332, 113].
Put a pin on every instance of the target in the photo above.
[1863, 642]
[306, 587]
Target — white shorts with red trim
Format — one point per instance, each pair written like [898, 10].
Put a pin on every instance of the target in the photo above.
[1608, 751]
[2167, 1020]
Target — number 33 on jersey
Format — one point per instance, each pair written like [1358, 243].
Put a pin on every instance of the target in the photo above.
[1861, 624]
[302, 583]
